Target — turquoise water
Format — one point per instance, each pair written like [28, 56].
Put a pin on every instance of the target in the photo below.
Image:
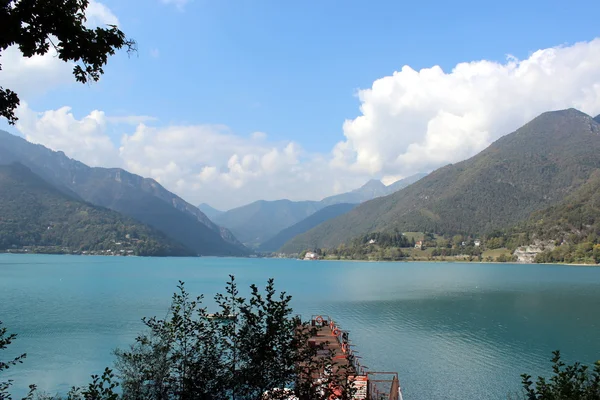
[452, 331]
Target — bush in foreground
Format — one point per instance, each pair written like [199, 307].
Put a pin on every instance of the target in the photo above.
[248, 348]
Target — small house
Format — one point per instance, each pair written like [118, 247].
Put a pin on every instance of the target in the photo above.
[372, 241]
[477, 243]
[311, 256]
[419, 244]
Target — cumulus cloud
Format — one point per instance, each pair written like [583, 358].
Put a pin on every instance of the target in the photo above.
[33, 76]
[83, 139]
[411, 121]
[202, 163]
[419, 120]
[208, 163]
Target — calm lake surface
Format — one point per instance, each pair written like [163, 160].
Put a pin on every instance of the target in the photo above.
[451, 330]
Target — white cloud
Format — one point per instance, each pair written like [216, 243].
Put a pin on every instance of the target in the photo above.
[98, 14]
[411, 121]
[33, 76]
[419, 120]
[83, 139]
[259, 136]
[202, 163]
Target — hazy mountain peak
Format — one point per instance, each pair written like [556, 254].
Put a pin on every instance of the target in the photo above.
[209, 211]
[372, 184]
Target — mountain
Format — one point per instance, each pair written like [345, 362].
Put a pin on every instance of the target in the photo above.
[257, 222]
[306, 224]
[209, 211]
[528, 170]
[575, 218]
[140, 198]
[34, 213]
[402, 183]
[371, 190]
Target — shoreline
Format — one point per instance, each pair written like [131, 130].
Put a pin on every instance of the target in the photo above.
[290, 258]
[459, 261]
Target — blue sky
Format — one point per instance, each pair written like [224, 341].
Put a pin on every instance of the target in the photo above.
[293, 69]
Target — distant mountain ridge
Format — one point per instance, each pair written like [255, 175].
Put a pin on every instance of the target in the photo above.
[209, 211]
[371, 190]
[141, 198]
[257, 222]
[324, 214]
[34, 214]
[528, 170]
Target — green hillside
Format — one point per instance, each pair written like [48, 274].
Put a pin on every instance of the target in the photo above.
[573, 224]
[36, 215]
[528, 170]
[310, 222]
[140, 198]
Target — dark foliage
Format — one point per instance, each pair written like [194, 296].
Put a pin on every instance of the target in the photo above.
[573, 225]
[5, 340]
[568, 382]
[34, 214]
[36, 26]
[250, 347]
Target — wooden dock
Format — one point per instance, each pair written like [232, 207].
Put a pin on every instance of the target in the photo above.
[333, 340]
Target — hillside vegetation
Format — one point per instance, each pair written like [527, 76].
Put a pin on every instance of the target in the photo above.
[528, 170]
[36, 216]
[306, 224]
[257, 223]
[132, 195]
[573, 225]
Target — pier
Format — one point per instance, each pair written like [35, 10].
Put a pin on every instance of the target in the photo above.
[333, 340]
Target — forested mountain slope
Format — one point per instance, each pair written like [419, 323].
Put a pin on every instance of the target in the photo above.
[306, 224]
[528, 170]
[35, 214]
[132, 195]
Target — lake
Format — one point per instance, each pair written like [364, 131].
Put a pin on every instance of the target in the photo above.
[451, 330]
